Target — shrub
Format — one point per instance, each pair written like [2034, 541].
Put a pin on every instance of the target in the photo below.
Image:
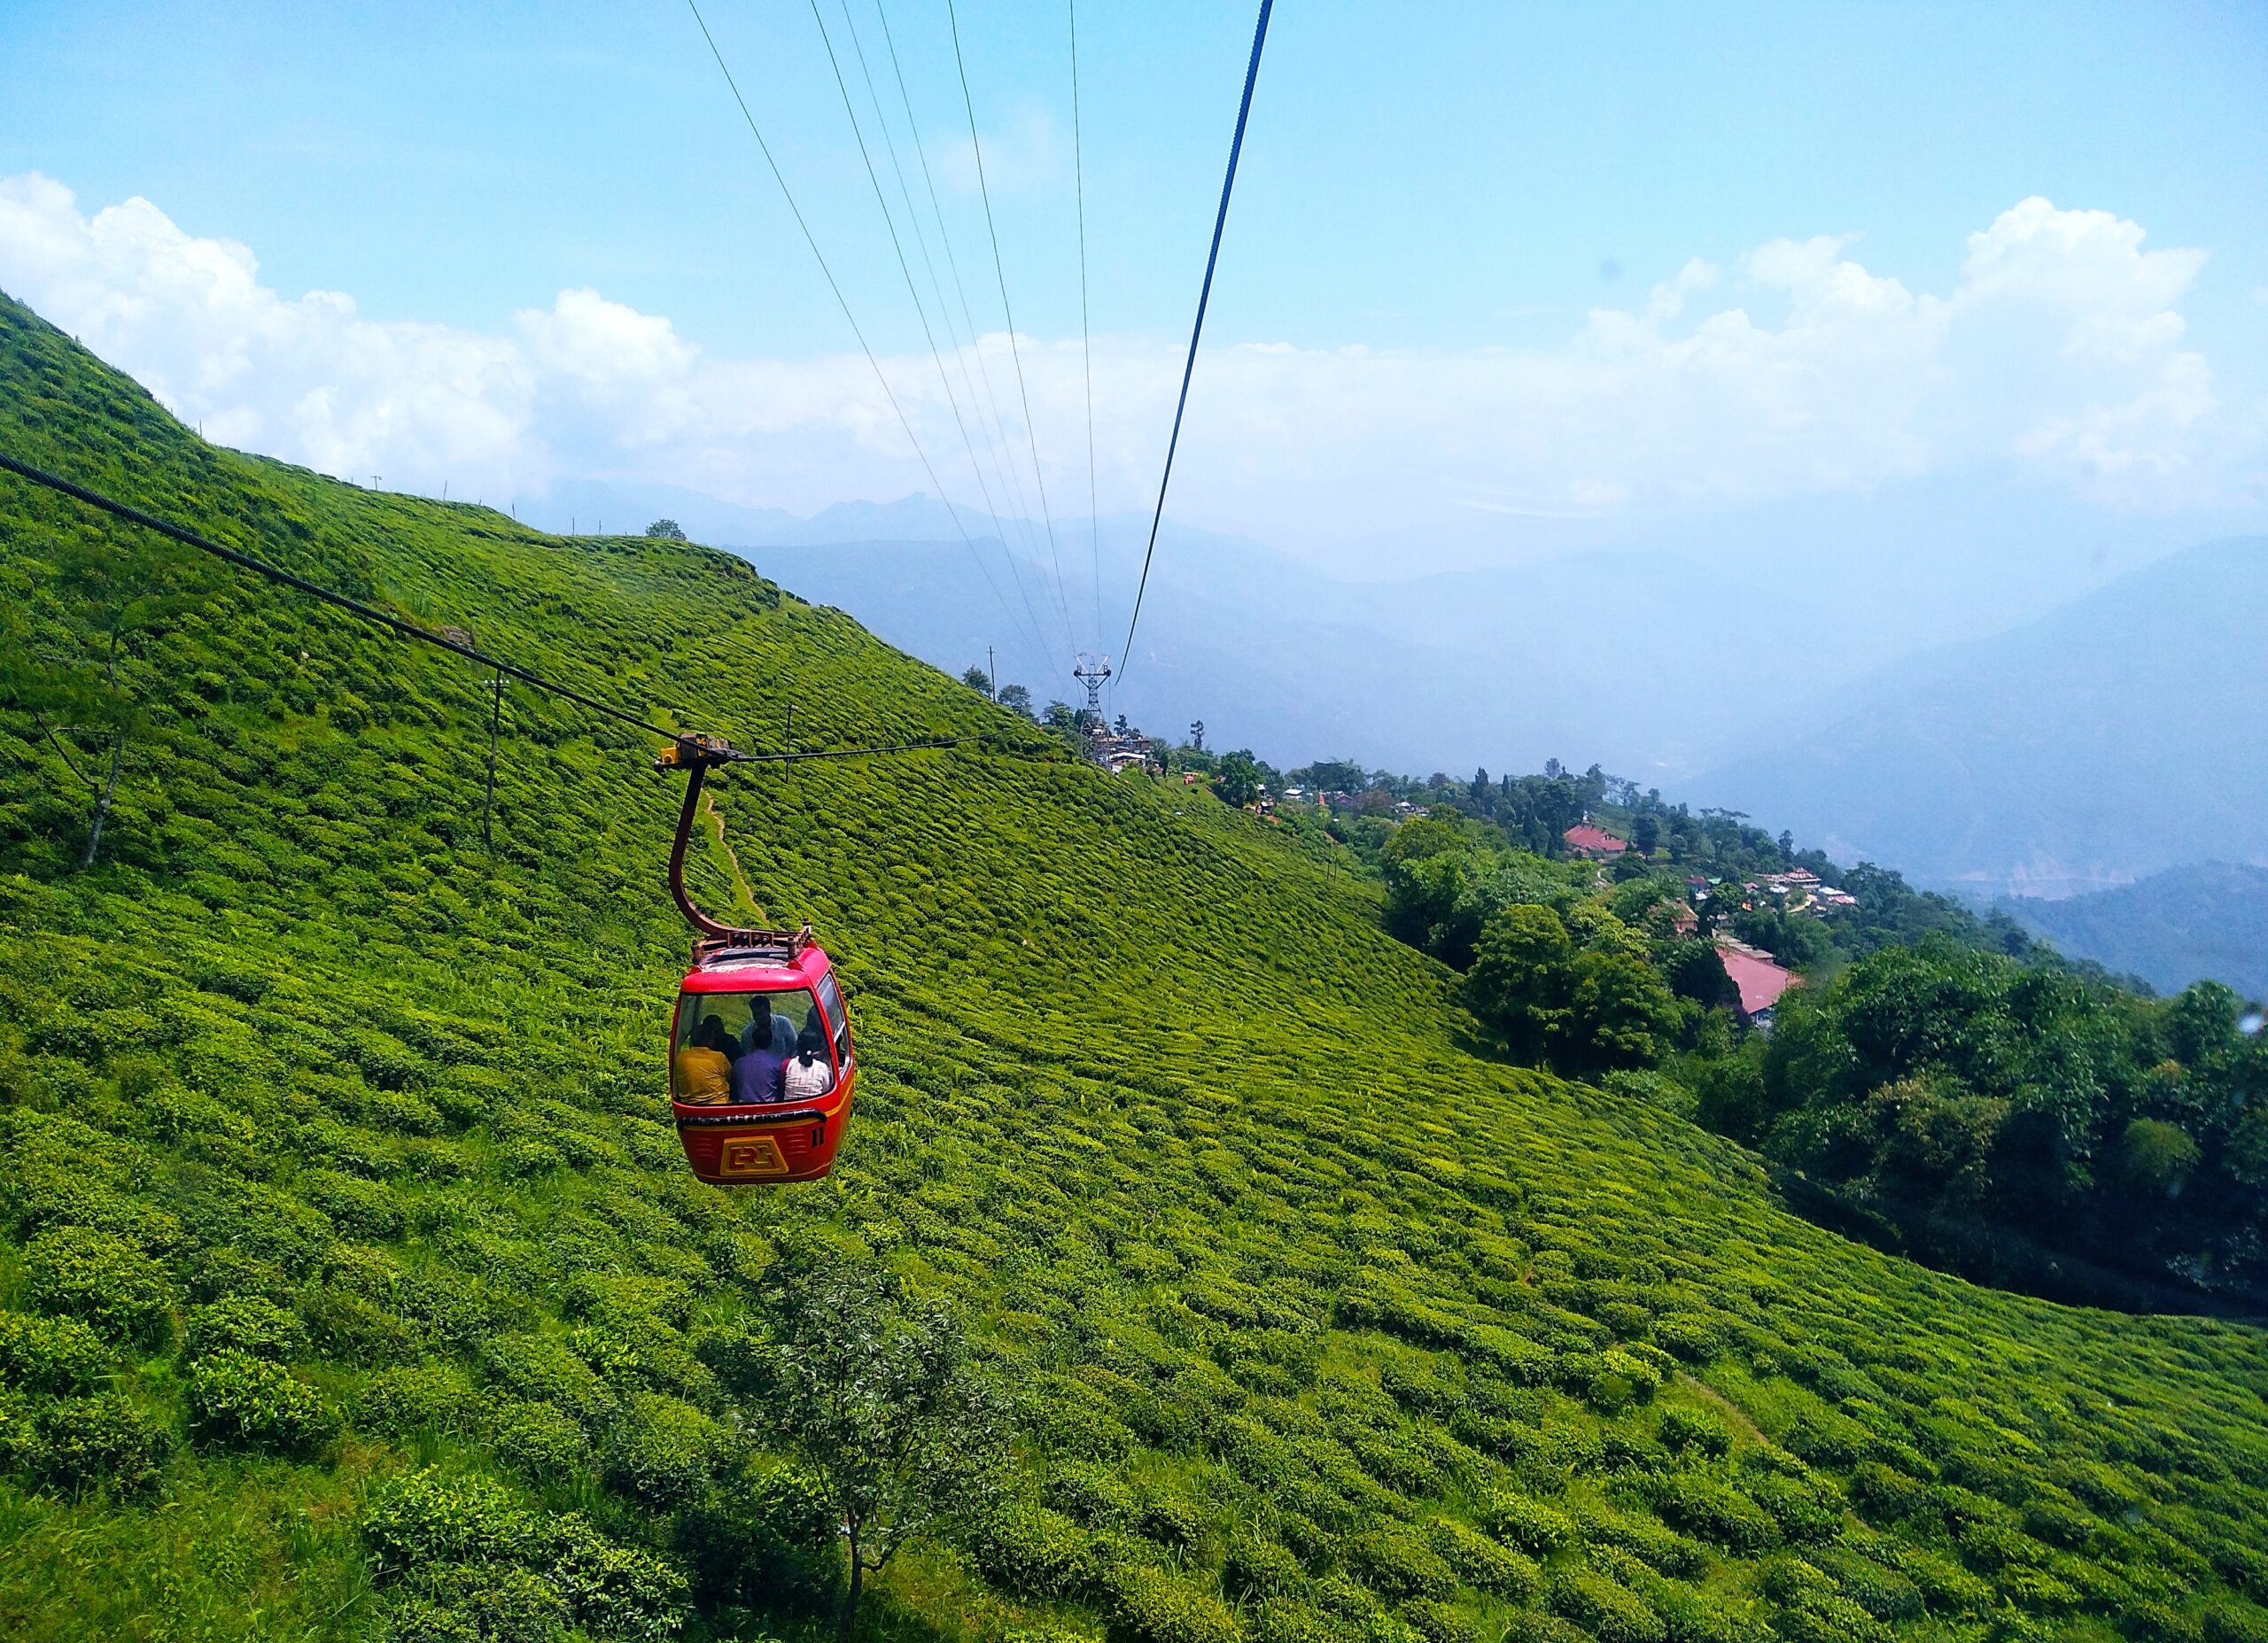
[353, 1329]
[360, 1209]
[236, 1400]
[102, 1443]
[1716, 1511]
[2233, 1622]
[1151, 1605]
[250, 1324]
[102, 1279]
[661, 1451]
[1257, 1567]
[1438, 1622]
[1882, 1592]
[1031, 1550]
[1689, 1335]
[1396, 1562]
[1280, 1620]
[1605, 1608]
[614, 1591]
[540, 1366]
[539, 1439]
[1888, 1495]
[1526, 1523]
[50, 1354]
[1807, 1512]
[402, 1401]
[428, 1519]
[491, 1602]
[771, 1542]
[1484, 1565]
[1684, 1430]
[1533, 1627]
[1826, 1617]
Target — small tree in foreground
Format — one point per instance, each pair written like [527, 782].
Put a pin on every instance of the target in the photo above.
[666, 530]
[881, 1403]
[977, 679]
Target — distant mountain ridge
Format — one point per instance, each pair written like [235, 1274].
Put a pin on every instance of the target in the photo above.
[2110, 740]
[2207, 922]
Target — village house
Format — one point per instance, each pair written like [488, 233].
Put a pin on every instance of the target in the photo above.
[1595, 843]
[1759, 980]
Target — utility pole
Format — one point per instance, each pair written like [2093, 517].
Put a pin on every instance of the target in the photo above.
[992, 675]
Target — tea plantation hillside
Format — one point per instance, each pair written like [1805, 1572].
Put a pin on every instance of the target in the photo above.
[352, 1288]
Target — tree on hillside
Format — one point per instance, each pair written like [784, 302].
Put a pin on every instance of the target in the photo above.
[1016, 698]
[878, 1396]
[1237, 780]
[977, 679]
[1523, 979]
[666, 530]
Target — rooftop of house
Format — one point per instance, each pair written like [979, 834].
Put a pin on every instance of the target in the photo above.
[1589, 840]
[1759, 980]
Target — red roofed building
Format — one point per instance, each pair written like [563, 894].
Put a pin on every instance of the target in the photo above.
[1595, 842]
[1760, 982]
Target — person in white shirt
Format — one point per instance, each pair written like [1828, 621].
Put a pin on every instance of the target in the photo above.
[808, 1076]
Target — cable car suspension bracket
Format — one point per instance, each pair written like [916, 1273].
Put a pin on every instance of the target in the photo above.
[697, 754]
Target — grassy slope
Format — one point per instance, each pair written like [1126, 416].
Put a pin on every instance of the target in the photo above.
[1145, 1091]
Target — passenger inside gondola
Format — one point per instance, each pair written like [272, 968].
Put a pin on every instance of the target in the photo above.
[809, 1075]
[704, 1066]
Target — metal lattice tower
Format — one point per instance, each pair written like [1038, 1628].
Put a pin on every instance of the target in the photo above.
[1094, 671]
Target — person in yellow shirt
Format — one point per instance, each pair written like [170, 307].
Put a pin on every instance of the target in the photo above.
[704, 1066]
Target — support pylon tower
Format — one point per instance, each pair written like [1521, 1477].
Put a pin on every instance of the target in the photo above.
[1094, 671]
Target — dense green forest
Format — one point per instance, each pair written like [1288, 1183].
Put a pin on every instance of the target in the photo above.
[350, 1285]
[1943, 1085]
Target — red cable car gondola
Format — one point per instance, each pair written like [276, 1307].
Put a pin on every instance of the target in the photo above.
[751, 1002]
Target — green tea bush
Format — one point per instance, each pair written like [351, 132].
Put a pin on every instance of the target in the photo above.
[1283, 1620]
[1530, 1625]
[1690, 1336]
[360, 1209]
[1438, 1622]
[491, 1602]
[50, 1354]
[236, 1400]
[250, 1324]
[539, 1440]
[1257, 1567]
[1484, 1565]
[543, 1368]
[613, 1591]
[1030, 1549]
[428, 1518]
[1152, 1606]
[102, 1444]
[425, 1397]
[1397, 1562]
[1687, 1429]
[1531, 1524]
[102, 1279]
[661, 1451]
[766, 1539]
[1715, 1509]
[1607, 1610]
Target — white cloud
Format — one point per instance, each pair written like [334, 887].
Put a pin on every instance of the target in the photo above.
[2059, 353]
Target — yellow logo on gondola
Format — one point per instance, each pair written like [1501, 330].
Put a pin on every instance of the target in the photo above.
[742, 1156]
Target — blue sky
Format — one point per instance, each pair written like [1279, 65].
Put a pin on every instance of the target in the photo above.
[1443, 188]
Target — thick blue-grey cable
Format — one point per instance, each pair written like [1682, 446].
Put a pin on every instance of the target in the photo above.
[1204, 296]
